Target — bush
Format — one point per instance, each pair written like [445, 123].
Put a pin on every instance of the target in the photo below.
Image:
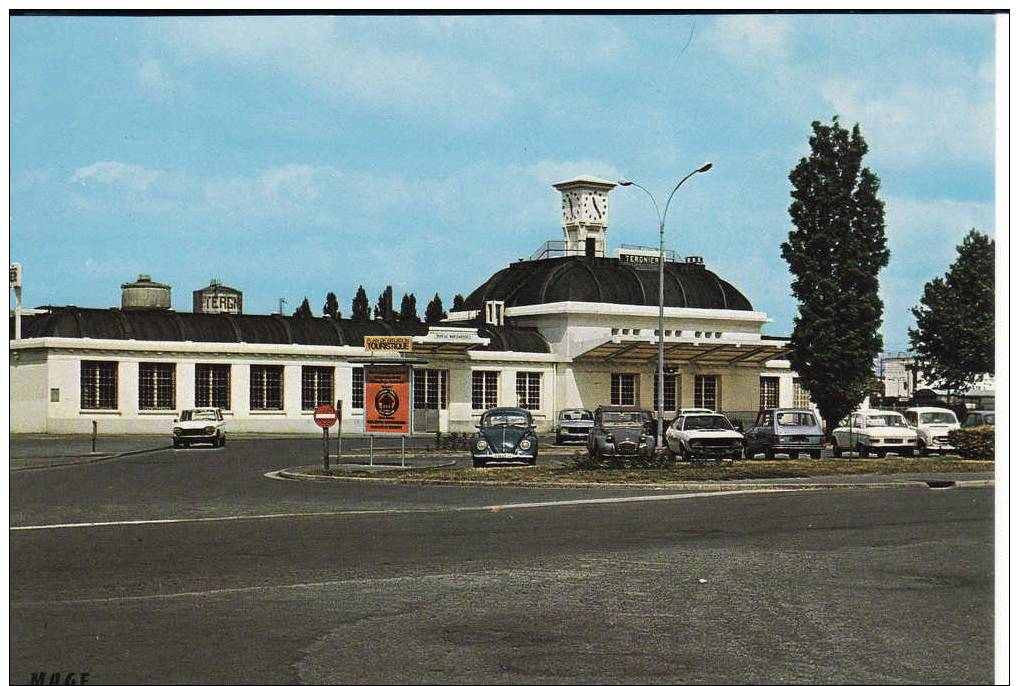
[974, 444]
[456, 440]
[658, 461]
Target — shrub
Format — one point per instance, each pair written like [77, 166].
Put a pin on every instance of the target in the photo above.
[976, 443]
[658, 461]
[456, 440]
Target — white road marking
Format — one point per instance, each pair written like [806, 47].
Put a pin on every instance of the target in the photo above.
[354, 513]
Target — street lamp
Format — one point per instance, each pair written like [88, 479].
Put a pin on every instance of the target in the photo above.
[661, 288]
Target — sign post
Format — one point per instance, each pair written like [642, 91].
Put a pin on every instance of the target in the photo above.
[325, 416]
[339, 428]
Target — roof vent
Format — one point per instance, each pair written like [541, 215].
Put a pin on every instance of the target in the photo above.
[495, 312]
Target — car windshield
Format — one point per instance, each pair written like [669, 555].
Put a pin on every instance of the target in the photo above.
[885, 420]
[570, 415]
[505, 419]
[706, 421]
[937, 418]
[197, 415]
[622, 418]
[796, 419]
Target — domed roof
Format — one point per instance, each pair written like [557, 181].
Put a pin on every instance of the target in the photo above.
[606, 280]
[167, 325]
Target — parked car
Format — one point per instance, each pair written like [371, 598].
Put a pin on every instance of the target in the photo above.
[620, 431]
[978, 418]
[932, 425]
[199, 425]
[505, 434]
[877, 431]
[788, 430]
[573, 425]
[703, 435]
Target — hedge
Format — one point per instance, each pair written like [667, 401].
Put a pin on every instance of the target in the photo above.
[974, 444]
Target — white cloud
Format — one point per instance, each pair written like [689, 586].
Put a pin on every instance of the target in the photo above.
[751, 39]
[130, 176]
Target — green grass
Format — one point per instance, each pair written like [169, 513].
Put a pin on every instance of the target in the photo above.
[690, 471]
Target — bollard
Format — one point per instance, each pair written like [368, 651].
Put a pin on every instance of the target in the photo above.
[95, 430]
[371, 450]
[403, 443]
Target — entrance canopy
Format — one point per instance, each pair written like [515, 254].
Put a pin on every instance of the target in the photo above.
[645, 351]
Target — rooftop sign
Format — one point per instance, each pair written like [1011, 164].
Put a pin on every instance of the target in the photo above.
[390, 343]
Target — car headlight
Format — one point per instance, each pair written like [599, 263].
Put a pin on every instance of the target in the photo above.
[609, 438]
[210, 430]
[481, 444]
[177, 431]
[525, 444]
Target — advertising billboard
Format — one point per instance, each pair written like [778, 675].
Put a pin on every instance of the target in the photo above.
[387, 399]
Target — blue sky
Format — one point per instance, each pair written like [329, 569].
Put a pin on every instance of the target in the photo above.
[291, 156]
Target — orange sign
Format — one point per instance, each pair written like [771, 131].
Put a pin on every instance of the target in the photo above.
[387, 399]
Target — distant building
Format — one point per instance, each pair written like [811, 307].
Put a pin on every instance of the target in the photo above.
[218, 299]
[902, 379]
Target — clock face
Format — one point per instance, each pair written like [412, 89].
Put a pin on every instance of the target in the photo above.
[596, 207]
[572, 205]
[585, 206]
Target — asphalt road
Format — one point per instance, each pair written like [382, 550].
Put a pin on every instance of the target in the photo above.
[375, 583]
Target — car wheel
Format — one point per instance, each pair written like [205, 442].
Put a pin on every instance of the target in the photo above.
[558, 438]
[880, 454]
[176, 444]
[836, 451]
[769, 454]
[815, 454]
[908, 452]
[922, 449]
[480, 462]
[863, 451]
[748, 452]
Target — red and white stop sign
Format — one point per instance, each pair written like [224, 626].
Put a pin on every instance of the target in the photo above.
[325, 416]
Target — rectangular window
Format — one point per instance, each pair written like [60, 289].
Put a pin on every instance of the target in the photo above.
[801, 397]
[430, 389]
[98, 385]
[212, 386]
[529, 390]
[357, 387]
[705, 392]
[316, 387]
[671, 393]
[266, 387]
[157, 385]
[769, 392]
[484, 390]
[624, 389]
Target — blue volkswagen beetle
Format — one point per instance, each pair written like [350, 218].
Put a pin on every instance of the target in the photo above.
[505, 434]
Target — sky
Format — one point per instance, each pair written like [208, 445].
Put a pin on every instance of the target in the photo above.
[293, 156]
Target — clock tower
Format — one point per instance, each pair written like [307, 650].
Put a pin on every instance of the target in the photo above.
[585, 214]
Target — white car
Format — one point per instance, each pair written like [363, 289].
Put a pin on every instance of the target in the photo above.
[199, 425]
[703, 433]
[932, 425]
[873, 431]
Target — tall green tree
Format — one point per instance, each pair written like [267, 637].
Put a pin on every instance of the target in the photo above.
[835, 251]
[384, 306]
[434, 312]
[458, 302]
[304, 311]
[954, 335]
[409, 308]
[359, 308]
[332, 307]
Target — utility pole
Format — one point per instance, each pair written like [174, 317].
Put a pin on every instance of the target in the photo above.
[282, 303]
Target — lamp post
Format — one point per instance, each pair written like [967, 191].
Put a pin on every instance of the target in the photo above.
[661, 289]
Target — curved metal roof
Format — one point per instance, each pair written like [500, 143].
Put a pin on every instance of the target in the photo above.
[168, 325]
[606, 280]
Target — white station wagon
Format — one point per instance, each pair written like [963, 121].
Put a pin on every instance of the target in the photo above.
[200, 425]
[873, 431]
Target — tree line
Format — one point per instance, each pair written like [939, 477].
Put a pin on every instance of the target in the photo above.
[361, 311]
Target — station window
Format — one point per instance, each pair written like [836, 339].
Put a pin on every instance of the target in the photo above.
[705, 392]
[266, 387]
[671, 386]
[624, 389]
[212, 385]
[98, 385]
[316, 387]
[430, 389]
[484, 390]
[157, 386]
[769, 392]
[529, 390]
[801, 396]
[357, 387]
